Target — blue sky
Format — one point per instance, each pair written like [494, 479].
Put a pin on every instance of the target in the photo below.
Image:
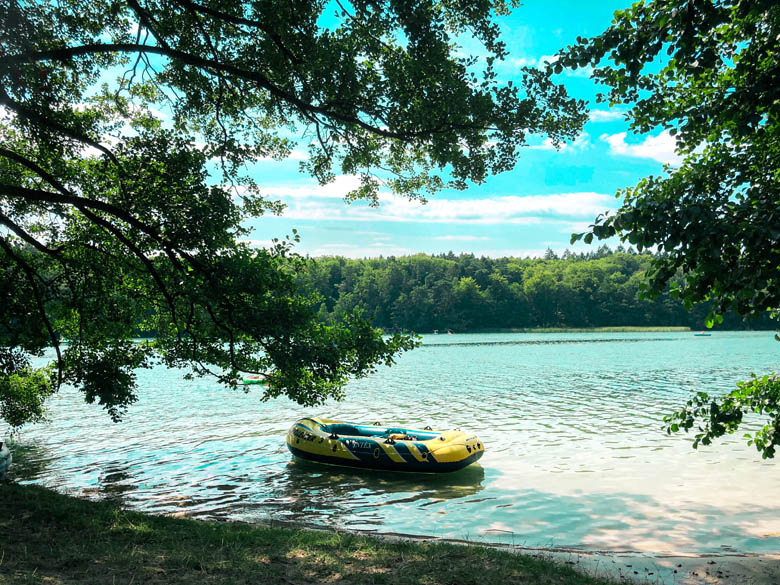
[536, 206]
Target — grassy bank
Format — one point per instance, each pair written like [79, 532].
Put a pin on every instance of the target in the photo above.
[46, 537]
[623, 329]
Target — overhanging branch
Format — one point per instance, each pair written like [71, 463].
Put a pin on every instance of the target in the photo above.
[25, 112]
[65, 197]
[68, 53]
[19, 231]
[31, 275]
[237, 20]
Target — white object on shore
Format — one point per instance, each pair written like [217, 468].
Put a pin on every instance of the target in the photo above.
[5, 458]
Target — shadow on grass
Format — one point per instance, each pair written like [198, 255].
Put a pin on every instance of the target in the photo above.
[51, 538]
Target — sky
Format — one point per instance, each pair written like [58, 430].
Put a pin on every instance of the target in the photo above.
[548, 195]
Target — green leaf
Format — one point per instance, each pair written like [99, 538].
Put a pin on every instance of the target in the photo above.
[146, 232]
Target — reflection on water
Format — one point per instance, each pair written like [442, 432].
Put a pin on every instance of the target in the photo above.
[30, 459]
[339, 496]
[345, 481]
[576, 454]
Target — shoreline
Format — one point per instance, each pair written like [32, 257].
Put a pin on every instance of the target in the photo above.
[632, 566]
[51, 537]
[48, 537]
[677, 568]
[616, 329]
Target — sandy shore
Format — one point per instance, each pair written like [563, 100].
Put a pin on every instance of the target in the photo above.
[664, 569]
[648, 568]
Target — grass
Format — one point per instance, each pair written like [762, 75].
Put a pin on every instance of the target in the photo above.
[49, 538]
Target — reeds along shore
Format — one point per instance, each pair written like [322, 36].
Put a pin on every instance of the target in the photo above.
[621, 329]
[47, 537]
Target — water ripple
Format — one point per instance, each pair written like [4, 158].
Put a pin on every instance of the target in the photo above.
[576, 450]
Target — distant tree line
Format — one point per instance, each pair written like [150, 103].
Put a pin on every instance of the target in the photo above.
[464, 292]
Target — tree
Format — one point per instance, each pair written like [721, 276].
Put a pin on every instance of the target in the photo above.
[116, 224]
[708, 73]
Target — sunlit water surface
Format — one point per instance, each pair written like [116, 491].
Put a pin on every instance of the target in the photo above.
[576, 455]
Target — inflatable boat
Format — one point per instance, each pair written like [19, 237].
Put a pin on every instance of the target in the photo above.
[5, 458]
[379, 447]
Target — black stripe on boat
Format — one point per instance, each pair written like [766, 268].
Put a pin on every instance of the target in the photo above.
[405, 454]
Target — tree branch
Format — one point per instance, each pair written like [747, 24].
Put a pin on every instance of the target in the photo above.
[147, 20]
[69, 53]
[84, 205]
[36, 168]
[31, 274]
[241, 21]
[25, 112]
[138, 253]
[19, 231]
[67, 198]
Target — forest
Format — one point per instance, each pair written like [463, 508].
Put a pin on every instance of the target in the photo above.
[466, 293]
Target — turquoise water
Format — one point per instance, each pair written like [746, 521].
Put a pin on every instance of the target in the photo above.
[576, 455]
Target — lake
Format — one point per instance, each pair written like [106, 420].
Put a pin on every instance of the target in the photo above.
[576, 455]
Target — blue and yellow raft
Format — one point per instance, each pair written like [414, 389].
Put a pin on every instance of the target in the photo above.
[377, 447]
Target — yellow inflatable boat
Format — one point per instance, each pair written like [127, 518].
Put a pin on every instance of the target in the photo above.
[377, 447]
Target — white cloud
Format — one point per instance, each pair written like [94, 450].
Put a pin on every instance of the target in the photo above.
[547, 144]
[580, 143]
[462, 238]
[585, 72]
[316, 202]
[521, 252]
[337, 189]
[505, 209]
[575, 226]
[530, 253]
[511, 209]
[660, 148]
[336, 246]
[298, 154]
[154, 112]
[256, 243]
[390, 249]
[295, 154]
[518, 62]
[606, 115]
[358, 251]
